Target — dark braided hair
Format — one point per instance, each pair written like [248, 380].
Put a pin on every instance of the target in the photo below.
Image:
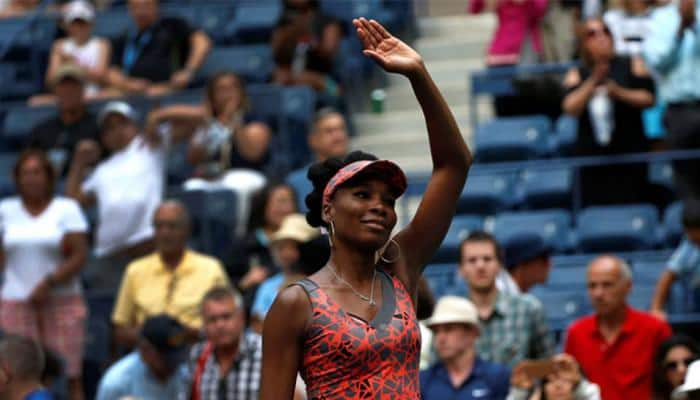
[319, 174]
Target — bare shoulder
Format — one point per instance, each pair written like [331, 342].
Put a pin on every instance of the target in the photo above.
[291, 308]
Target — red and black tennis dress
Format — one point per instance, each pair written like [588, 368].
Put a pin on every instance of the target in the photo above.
[346, 357]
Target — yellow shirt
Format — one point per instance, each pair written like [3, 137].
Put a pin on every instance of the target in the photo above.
[150, 288]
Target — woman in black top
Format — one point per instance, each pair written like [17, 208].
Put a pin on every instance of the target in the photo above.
[608, 93]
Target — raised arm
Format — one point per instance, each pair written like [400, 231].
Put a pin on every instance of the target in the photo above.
[450, 156]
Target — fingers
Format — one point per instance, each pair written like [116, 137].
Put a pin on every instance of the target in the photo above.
[366, 32]
[384, 34]
[373, 28]
[366, 43]
[376, 57]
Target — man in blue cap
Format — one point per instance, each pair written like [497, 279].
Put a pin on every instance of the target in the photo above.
[154, 370]
[527, 263]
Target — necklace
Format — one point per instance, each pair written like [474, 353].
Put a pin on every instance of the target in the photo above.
[369, 299]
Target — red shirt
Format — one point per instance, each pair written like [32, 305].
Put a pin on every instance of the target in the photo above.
[623, 368]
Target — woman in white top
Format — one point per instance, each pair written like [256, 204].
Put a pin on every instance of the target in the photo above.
[43, 246]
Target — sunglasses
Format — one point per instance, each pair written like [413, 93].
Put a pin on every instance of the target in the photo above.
[591, 33]
[674, 365]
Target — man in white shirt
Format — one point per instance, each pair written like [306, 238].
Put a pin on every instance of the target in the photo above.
[126, 187]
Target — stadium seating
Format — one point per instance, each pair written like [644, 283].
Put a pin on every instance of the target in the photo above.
[460, 228]
[7, 162]
[673, 224]
[661, 173]
[19, 122]
[513, 138]
[547, 187]
[618, 228]
[553, 226]
[111, 24]
[487, 194]
[98, 339]
[560, 307]
[571, 278]
[252, 62]
[566, 130]
[253, 21]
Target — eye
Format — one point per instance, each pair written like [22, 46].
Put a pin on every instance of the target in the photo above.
[362, 194]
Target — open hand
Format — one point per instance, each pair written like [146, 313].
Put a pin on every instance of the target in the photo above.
[389, 52]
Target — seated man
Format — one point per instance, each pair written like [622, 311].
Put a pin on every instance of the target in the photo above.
[161, 55]
[460, 374]
[155, 370]
[172, 280]
[615, 346]
[21, 369]
[527, 264]
[685, 261]
[58, 136]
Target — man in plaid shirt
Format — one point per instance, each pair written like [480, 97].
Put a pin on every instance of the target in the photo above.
[513, 327]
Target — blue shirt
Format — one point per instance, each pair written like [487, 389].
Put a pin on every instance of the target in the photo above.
[675, 62]
[685, 262]
[265, 295]
[131, 377]
[302, 186]
[488, 381]
[41, 394]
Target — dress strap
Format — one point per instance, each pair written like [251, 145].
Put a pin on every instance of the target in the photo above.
[308, 285]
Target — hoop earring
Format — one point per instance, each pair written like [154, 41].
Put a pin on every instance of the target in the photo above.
[398, 252]
[331, 232]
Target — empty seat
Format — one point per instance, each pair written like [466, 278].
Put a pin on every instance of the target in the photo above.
[189, 97]
[487, 194]
[618, 228]
[566, 134]
[513, 138]
[673, 224]
[252, 62]
[561, 308]
[547, 188]
[7, 162]
[553, 226]
[460, 228]
[253, 22]
[111, 24]
[567, 278]
[440, 277]
[12, 85]
[19, 122]
[640, 297]
[661, 173]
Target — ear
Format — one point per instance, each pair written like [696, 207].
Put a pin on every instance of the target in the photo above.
[327, 214]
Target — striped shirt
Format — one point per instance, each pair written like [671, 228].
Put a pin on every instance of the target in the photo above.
[242, 382]
[516, 330]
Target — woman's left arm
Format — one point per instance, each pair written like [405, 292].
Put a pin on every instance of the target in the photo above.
[641, 92]
[450, 156]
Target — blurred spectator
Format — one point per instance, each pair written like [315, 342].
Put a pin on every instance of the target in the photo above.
[127, 187]
[527, 264]
[615, 346]
[155, 370]
[286, 253]
[328, 138]
[162, 54]
[170, 281]
[671, 363]
[21, 367]
[59, 135]
[559, 30]
[44, 247]
[226, 366]
[17, 8]
[563, 382]
[607, 94]
[513, 327]
[629, 26]
[460, 374]
[690, 389]
[251, 262]
[81, 49]
[671, 51]
[684, 263]
[304, 45]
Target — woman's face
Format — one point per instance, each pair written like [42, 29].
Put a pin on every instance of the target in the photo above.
[559, 389]
[676, 364]
[598, 40]
[227, 90]
[79, 30]
[32, 180]
[279, 205]
[364, 213]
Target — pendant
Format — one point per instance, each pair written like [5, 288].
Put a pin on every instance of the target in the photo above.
[372, 303]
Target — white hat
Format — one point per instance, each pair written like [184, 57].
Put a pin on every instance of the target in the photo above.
[295, 227]
[116, 107]
[453, 310]
[78, 9]
[692, 381]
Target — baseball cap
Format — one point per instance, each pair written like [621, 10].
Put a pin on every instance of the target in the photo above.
[167, 336]
[453, 310]
[295, 227]
[78, 10]
[524, 247]
[68, 71]
[387, 169]
[116, 107]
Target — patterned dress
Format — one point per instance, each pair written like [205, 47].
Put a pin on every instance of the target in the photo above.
[345, 357]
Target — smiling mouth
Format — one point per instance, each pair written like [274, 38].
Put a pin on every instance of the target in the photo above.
[374, 225]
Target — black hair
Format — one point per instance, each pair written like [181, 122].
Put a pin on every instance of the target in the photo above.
[259, 201]
[319, 174]
[482, 236]
[661, 389]
[691, 213]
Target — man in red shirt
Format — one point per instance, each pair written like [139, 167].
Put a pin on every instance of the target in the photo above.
[615, 346]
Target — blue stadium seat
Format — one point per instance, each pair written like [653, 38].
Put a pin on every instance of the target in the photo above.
[640, 296]
[189, 97]
[572, 278]
[561, 307]
[440, 277]
[553, 226]
[253, 22]
[7, 163]
[112, 24]
[513, 138]
[298, 104]
[253, 62]
[661, 173]
[547, 187]
[566, 131]
[673, 223]
[618, 228]
[460, 228]
[13, 86]
[98, 339]
[487, 193]
[647, 273]
[19, 122]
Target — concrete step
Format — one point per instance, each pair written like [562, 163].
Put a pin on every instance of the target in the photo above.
[481, 25]
[402, 97]
[447, 48]
[446, 72]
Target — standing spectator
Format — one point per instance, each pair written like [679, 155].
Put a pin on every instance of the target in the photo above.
[21, 364]
[690, 389]
[80, 48]
[155, 370]
[527, 264]
[615, 346]
[607, 94]
[127, 188]
[559, 30]
[172, 280]
[226, 366]
[671, 363]
[286, 253]
[671, 51]
[44, 247]
[460, 374]
[563, 383]
[328, 138]
[513, 327]
[59, 135]
[160, 55]
[684, 263]
[629, 26]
